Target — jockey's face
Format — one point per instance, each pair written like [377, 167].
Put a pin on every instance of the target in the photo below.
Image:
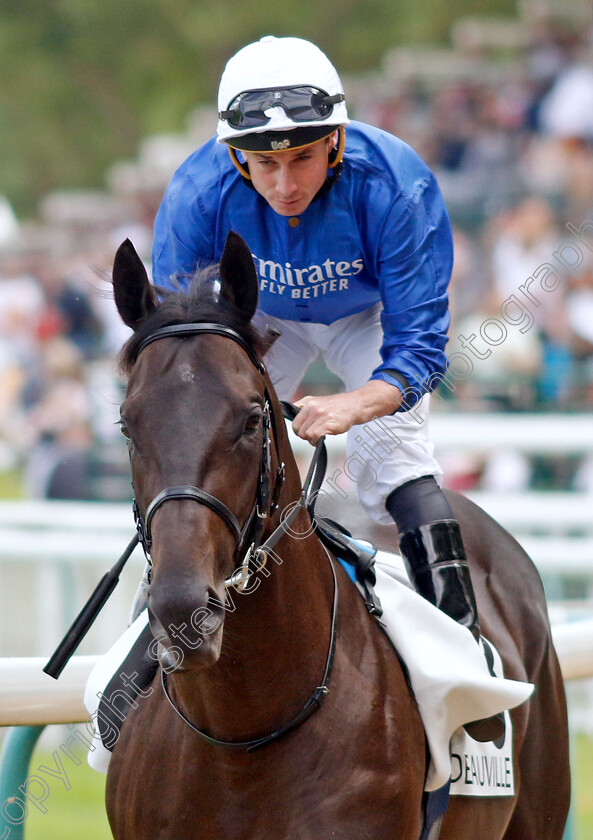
[289, 180]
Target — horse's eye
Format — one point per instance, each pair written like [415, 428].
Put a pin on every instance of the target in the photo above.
[253, 421]
[123, 426]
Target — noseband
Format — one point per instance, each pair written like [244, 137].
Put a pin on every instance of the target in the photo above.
[263, 506]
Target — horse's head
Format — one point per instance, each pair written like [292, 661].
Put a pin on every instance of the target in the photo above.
[195, 416]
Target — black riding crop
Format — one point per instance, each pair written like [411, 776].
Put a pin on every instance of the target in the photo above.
[85, 618]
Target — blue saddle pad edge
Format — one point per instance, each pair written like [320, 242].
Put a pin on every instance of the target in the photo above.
[350, 569]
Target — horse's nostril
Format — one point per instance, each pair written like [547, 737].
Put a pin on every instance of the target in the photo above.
[186, 614]
[215, 602]
[212, 614]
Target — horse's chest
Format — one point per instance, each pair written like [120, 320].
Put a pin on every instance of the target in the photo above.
[319, 792]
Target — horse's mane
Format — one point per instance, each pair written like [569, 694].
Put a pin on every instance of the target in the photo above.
[197, 303]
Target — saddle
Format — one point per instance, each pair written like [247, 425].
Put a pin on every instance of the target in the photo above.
[357, 557]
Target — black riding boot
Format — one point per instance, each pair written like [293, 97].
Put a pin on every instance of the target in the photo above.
[437, 565]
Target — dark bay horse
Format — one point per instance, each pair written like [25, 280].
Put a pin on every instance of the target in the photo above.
[290, 649]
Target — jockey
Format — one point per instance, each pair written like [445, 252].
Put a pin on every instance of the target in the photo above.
[353, 249]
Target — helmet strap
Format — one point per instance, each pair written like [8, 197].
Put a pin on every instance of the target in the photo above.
[335, 163]
[338, 153]
[242, 167]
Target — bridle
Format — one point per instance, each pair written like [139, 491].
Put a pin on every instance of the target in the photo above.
[265, 504]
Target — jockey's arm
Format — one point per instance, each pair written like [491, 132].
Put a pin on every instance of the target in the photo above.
[332, 415]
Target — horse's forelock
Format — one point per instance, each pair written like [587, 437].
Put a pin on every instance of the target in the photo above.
[197, 303]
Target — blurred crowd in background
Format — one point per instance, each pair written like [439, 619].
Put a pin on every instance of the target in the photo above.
[504, 116]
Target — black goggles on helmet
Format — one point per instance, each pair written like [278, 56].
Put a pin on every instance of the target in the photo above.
[300, 104]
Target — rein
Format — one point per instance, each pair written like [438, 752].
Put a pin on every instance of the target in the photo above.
[312, 704]
[264, 507]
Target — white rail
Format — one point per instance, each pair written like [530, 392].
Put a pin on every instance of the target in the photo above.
[52, 553]
[548, 434]
[574, 645]
[28, 696]
[556, 529]
[551, 434]
[68, 531]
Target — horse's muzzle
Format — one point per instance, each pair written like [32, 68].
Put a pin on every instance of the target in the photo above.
[187, 624]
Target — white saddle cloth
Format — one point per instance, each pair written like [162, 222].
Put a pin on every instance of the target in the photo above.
[449, 676]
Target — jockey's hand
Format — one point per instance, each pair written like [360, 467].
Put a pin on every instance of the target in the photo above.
[335, 414]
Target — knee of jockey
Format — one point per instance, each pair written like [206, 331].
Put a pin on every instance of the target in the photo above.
[418, 502]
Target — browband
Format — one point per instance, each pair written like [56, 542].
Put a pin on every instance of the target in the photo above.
[182, 330]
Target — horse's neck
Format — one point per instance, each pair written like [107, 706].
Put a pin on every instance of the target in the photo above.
[275, 644]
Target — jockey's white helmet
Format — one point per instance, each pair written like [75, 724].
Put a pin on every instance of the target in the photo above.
[279, 93]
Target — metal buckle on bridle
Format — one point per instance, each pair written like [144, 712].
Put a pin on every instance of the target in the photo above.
[254, 561]
[240, 577]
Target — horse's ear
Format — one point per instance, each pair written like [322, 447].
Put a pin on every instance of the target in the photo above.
[135, 298]
[238, 278]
